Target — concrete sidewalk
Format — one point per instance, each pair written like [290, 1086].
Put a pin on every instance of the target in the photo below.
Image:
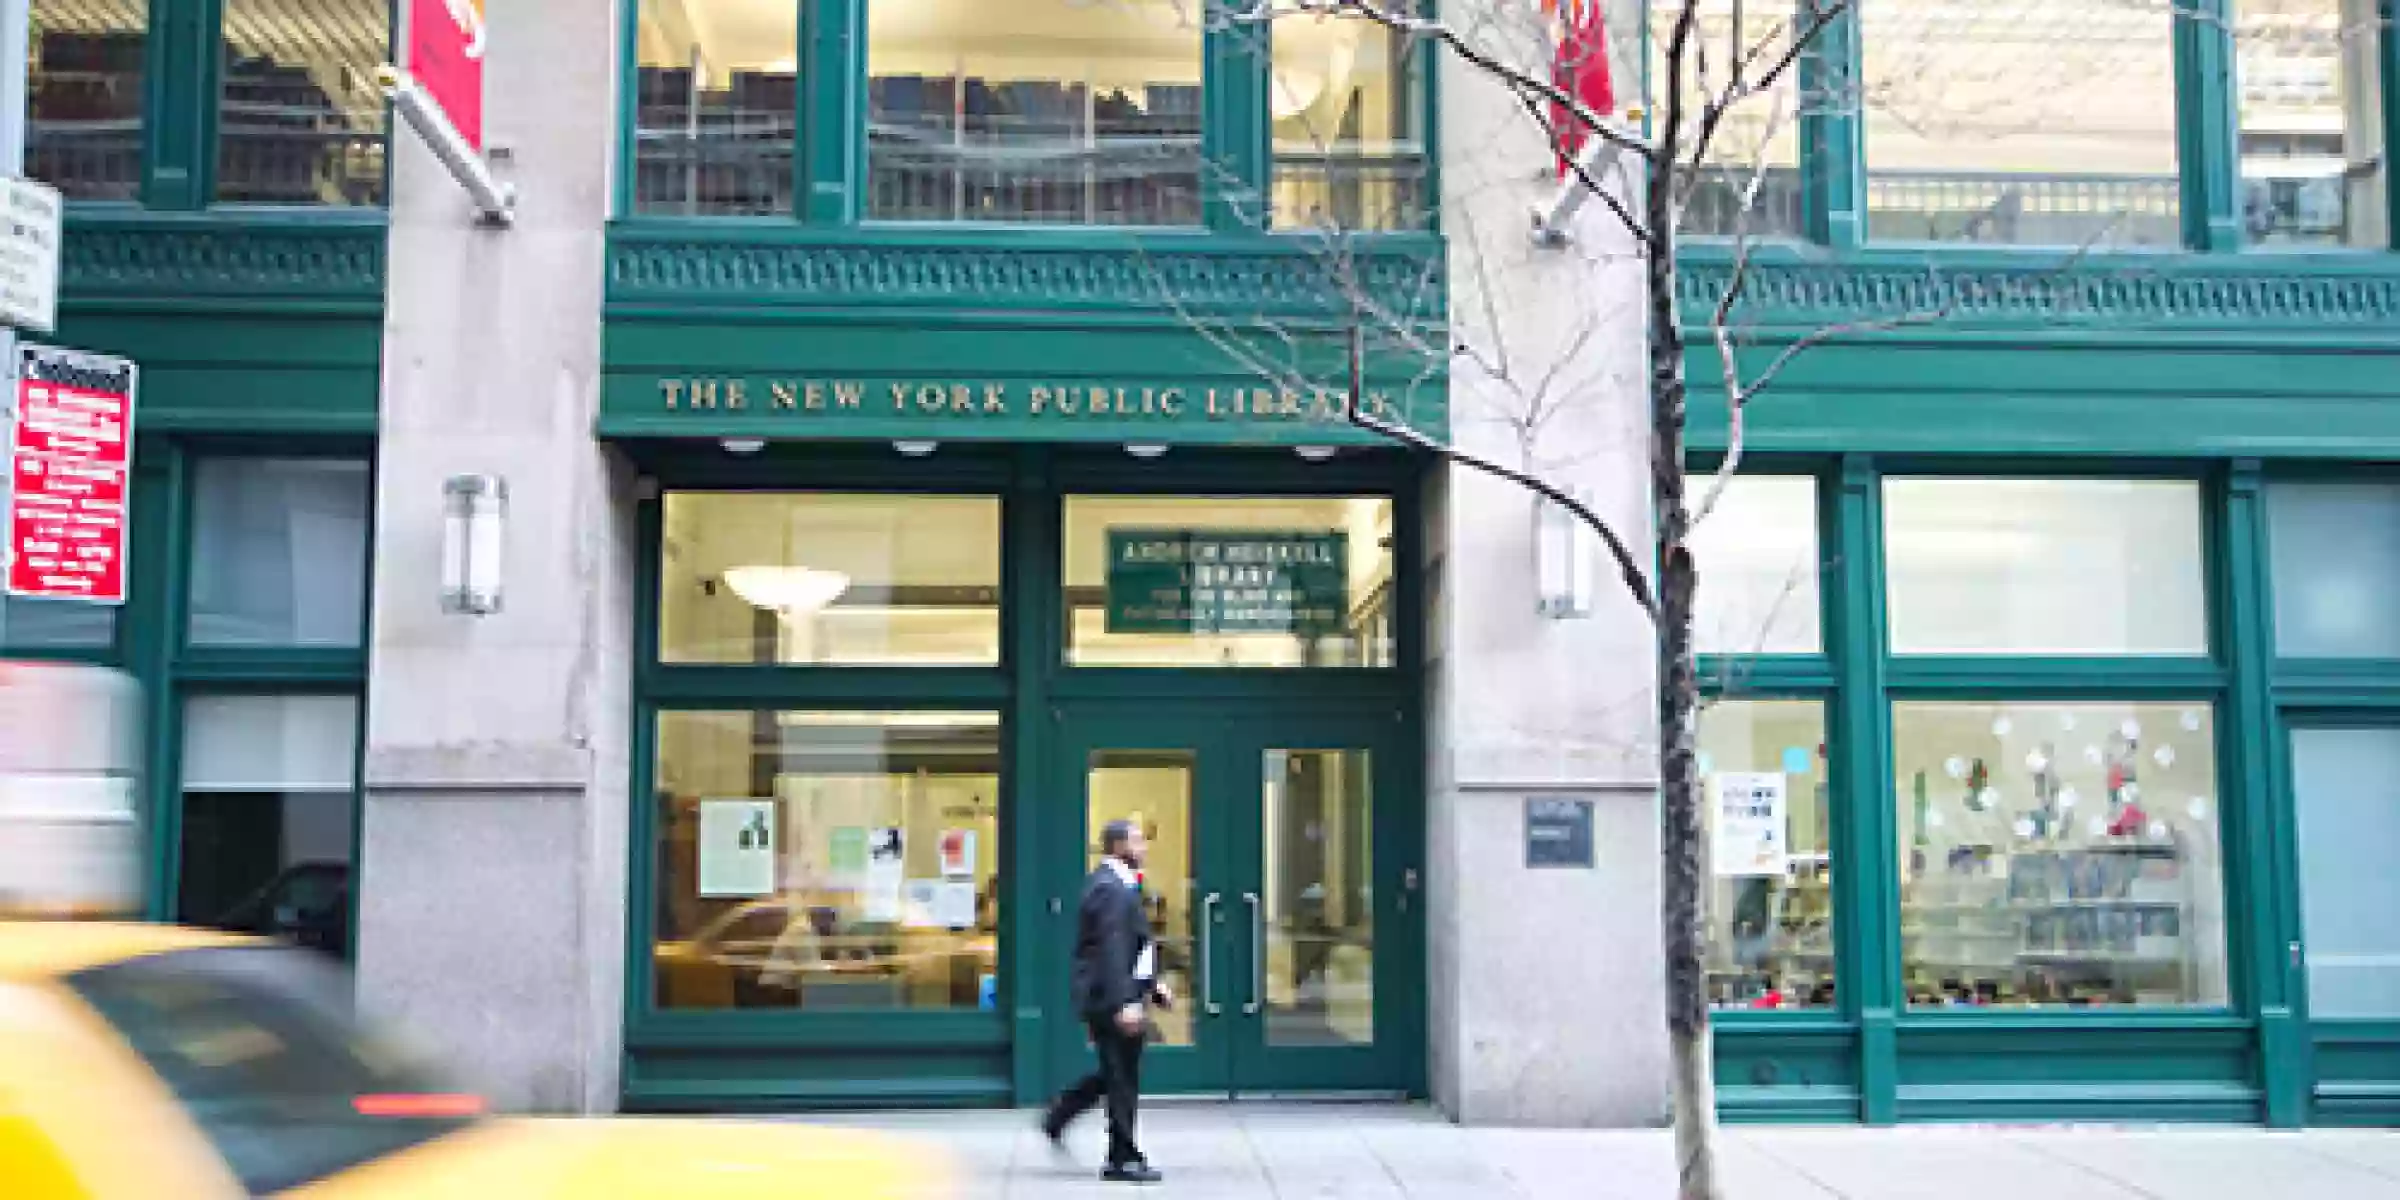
[1253, 1152]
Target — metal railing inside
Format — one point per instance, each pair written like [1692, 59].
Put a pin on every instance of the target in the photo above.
[1335, 190]
[1023, 174]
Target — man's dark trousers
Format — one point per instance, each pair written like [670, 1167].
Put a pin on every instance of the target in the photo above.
[1118, 1078]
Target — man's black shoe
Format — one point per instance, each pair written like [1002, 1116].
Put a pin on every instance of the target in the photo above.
[1056, 1135]
[1135, 1172]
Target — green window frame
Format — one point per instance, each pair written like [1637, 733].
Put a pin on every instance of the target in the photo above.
[152, 644]
[1834, 154]
[829, 158]
[183, 99]
[1857, 1043]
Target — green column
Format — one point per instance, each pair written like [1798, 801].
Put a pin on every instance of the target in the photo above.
[2261, 878]
[1236, 166]
[829, 165]
[1866, 881]
[179, 121]
[149, 628]
[1832, 147]
[1029, 590]
[2387, 73]
[2207, 139]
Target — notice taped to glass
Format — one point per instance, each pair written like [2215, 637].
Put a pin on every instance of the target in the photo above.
[1201, 581]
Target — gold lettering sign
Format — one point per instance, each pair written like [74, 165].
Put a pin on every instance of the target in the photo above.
[960, 401]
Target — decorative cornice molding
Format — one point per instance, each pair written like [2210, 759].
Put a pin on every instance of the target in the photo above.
[647, 268]
[221, 257]
[2173, 294]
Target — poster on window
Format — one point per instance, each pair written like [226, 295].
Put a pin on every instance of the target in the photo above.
[737, 848]
[958, 853]
[886, 854]
[1750, 824]
[846, 856]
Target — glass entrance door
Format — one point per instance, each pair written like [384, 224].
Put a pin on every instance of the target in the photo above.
[1282, 888]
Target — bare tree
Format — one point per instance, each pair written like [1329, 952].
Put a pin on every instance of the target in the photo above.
[1725, 92]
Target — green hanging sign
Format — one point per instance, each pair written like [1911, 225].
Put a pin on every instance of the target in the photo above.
[1198, 581]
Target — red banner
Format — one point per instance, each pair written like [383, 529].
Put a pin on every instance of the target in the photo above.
[445, 55]
[69, 457]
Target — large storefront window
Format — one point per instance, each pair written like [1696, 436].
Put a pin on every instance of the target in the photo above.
[300, 120]
[2045, 567]
[828, 861]
[2311, 106]
[716, 107]
[826, 578]
[84, 97]
[1770, 894]
[269, 816]
[2059, 853]
[1349, 152]
[2336, 551]
[1758, 553]
[1225, 582]
[1034, 111]
[2050, 122]
[279, 552]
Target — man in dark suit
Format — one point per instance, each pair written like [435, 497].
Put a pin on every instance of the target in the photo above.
[1115, 980]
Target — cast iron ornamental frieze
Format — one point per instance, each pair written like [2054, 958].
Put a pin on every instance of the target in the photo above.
[2183, 292]
[645, 269]
[138, 257]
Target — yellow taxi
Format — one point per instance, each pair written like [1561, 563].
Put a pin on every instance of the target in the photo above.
[157, 1063]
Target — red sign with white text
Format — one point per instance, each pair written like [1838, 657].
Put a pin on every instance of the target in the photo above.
[445, 54]
[70, 454]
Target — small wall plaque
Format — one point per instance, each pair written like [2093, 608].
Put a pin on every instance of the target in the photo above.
[1558, 832]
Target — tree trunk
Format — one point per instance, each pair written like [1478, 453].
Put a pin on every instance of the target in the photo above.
[1682, 855]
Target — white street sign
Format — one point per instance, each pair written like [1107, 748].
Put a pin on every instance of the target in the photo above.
[29, 237]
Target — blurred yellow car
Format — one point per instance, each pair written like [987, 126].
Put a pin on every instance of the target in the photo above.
[151, 1062]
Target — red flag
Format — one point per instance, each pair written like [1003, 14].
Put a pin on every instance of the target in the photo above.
[1580, 70]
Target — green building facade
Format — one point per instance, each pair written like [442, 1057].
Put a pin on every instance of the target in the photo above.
[922, 429]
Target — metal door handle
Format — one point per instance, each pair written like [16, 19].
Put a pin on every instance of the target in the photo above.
[1208, 953]
[1258, 953]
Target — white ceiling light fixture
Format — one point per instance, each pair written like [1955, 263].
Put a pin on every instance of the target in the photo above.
[915, 449]
[1145, 450]
[789, 590]
[1316, 454]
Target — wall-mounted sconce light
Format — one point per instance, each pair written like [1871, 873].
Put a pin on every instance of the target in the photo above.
[474, 528]
[1315, 454]
[743, 445]
[1566, 563]
[915, 449]
[1145, 450]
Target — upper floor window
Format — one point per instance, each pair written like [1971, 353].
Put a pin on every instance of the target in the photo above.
[717, 102]
[83, 98]
[1034, 111]
[299, 119]
[2311, 105]
[1758, 139]
[2046, 123]
[1349, 147]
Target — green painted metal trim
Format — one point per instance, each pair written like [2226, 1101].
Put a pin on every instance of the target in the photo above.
[708, 265]
[1736, 676]
[205, 259]
[629, 102]
[2387, 69]
[2263, 873]
[830, 169]
[147, 632]
[2207, 128]
[744, 1096]
[1833, 151]
[1863, 826]
[274, 668]
[927, 1029]
[1031, 575]
[208, 59]
[1802, 287]
[641, 828]
[1236, 62]
[1915, 677]
[675, 686]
